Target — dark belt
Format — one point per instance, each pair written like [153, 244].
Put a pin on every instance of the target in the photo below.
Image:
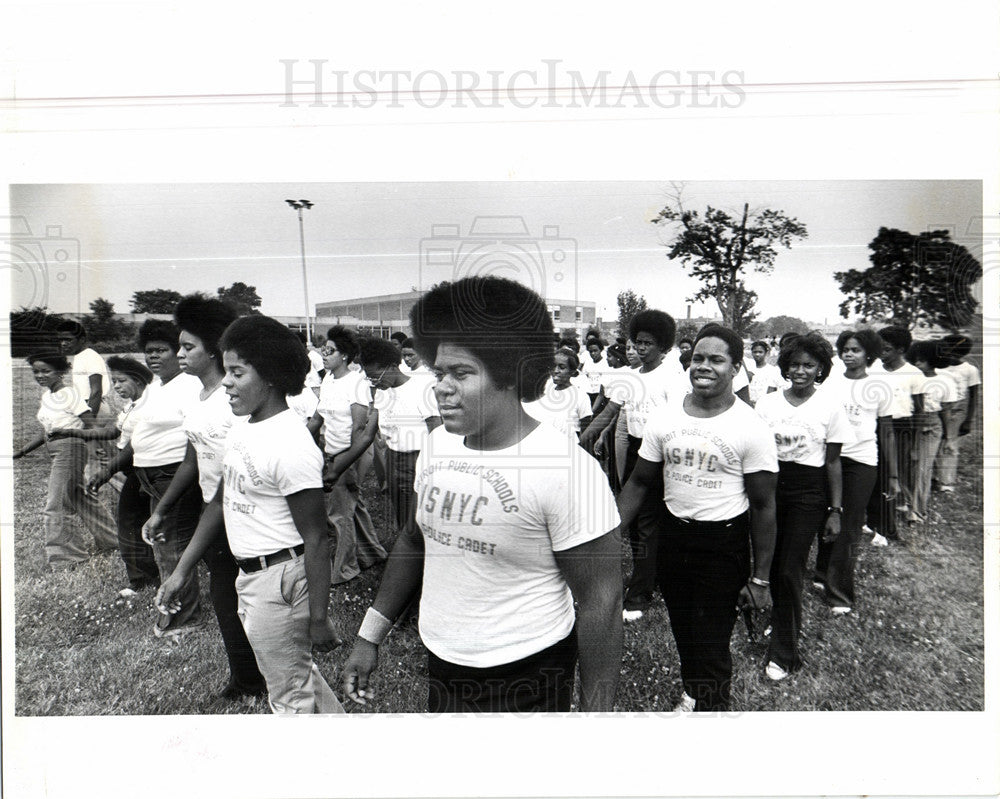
[251, 565]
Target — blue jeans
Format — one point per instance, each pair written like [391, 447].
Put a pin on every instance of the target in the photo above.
[133, 511]
[177, 528]
[67, 496]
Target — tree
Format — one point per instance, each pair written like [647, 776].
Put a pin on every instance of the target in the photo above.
[719, 247]
[103, 325]
[155, 301]
[629, 304]
[243, 298]
[777, 326]
[913, 278]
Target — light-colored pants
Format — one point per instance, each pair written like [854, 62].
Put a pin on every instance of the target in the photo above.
[926, 441]
[67, 496]
[355, 545]
[274, 609]
[946, 464]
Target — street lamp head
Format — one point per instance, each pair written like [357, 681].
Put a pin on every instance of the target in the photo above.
[306, 203]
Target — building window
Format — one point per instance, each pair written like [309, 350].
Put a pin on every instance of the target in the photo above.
[579, 314]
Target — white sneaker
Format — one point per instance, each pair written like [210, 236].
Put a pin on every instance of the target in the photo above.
[867, 530]
[819, 585]
[880, 540]
[631, 615]
[840, 610]
[686, 705]
[775, 672]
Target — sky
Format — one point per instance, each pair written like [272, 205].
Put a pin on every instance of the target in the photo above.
[585, 240]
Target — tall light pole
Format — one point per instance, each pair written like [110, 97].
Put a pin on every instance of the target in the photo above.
[298, 205]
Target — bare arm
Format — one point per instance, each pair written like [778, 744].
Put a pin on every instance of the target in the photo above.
[210, 527]
[634, 492]
[404, 572]
[364, 426]
[970, 416]
[96, 392]
[596, 427]
[760, 488]
[834, 479]
[593, 573]
[309, 514]
[182, 480]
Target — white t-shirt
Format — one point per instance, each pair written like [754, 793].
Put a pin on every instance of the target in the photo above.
[158, 437]
[905, 382]
[315, 367]
[563, 409]
[965, 375]
[492, 521]
[765, 377]
[594, 374]
[402, 412]
[125, 422]
[304, 403]
[801, 432]
[940, 387]
[336, 396]
[206, 424]
[60, 410]
[265, 462]
[864, 401]
[640, 393]
[704, 460]
[86, 363]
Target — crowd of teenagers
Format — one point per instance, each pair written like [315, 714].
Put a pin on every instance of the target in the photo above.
[513, 468]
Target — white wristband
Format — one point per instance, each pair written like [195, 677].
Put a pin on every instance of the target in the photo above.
[375, 627]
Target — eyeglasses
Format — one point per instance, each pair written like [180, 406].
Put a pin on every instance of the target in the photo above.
[326, 352]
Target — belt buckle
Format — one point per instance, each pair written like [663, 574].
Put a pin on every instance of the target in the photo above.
[262, 559]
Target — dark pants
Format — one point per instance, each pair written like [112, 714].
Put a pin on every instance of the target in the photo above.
[881, 511]
[133, 511]
[177, 528]
[836, 560]
[701, 568]
[539, 683]
[800, 505]
[401, 471]
[643, 535]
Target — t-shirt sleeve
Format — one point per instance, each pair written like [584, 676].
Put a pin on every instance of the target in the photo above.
[651, 448]
[76, 403]
[578, 503]
[839, 430]
[741, 380]
[974, 379]
[918, 384]
[297, 464]
[89, 362]
[426, 401]
[583, 406]
[760, 453]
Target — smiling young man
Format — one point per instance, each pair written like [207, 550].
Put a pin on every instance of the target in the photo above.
[716, 462]
[514, 524]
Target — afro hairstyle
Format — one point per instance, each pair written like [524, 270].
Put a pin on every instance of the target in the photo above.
[205, 317]
[159, 330]
[345, 340]
[661, 326]
[502, 323]
[375, 351]
[271, 349]
[813, 345]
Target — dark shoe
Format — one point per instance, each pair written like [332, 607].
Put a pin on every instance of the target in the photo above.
[235, 691]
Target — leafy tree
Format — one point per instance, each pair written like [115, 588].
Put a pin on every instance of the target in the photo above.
[629, 304]
[243, 298]
[35, 318]
[719, 247]
[913, 278]
[155, 301]
[777, 326]
[103, 325]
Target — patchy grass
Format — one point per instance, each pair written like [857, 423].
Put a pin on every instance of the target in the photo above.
[915, 641]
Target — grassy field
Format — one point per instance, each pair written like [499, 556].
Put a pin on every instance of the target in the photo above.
[915, 641]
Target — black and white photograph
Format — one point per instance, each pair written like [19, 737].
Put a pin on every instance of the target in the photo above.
[382, 419]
